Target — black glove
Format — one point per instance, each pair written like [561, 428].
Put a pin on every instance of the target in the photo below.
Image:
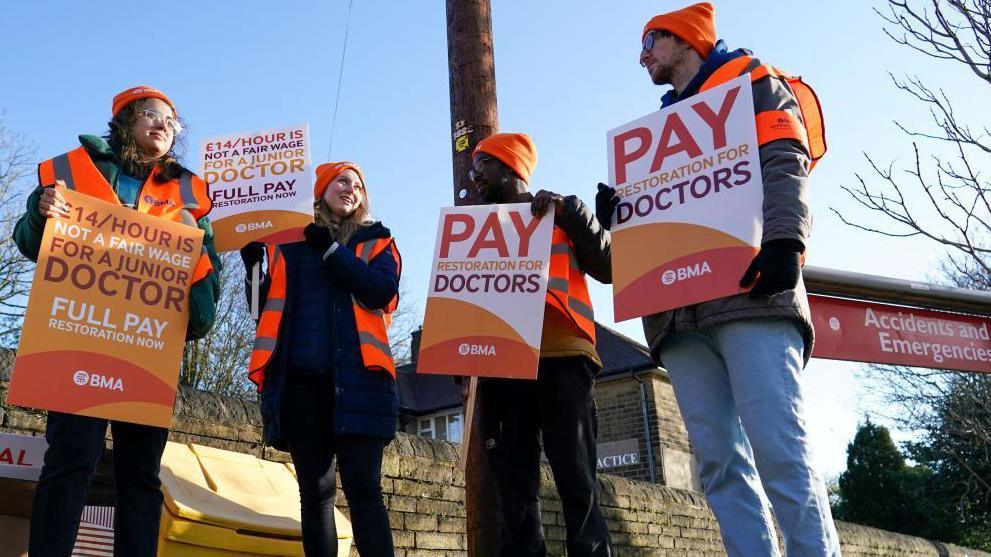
[252, 253]
[776, 268]
[605, 204]
[319, 237]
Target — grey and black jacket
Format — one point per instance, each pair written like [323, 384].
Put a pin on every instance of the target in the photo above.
[785, 165]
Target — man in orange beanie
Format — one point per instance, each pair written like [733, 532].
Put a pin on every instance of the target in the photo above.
[560, 402]
[735, 363]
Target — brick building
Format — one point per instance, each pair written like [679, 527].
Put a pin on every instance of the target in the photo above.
[641, 433]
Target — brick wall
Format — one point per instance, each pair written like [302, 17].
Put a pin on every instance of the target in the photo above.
[424, 491]
[665, 408]
[621, 418]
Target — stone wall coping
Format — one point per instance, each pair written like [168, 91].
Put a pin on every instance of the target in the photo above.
[651, 371]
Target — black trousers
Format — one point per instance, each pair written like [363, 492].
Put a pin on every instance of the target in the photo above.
[559, 404]
[75, 444]
[308, 425]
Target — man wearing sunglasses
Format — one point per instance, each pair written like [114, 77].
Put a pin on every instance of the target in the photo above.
[735, 362]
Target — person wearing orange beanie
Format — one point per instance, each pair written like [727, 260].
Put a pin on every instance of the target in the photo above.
[134, 165]
[128, 96]
[328, 393]
[695, 25]
[735, 363]
[560, 402]
[516, 150]
[327, 171]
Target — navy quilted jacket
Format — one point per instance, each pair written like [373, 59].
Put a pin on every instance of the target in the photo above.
[319, 335]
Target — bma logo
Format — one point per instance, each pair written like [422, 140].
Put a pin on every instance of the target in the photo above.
[252, 226]
[466, 349]
[139, 90]
[158, 202]
[83, 378]
[672, 276]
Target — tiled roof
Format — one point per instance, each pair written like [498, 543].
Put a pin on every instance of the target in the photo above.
[423, 394]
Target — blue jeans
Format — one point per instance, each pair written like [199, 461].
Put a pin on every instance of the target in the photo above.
[739, 391]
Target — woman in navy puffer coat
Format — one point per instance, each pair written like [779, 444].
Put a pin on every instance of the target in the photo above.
[321, 400]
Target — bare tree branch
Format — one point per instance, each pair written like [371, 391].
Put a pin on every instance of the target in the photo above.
[17, 158]
[959, 34]
[943, 197]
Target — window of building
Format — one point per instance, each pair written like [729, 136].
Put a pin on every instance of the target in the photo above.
[442, 425]
[454, 427]
[425, 428]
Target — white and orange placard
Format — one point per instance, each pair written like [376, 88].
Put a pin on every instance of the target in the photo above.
[261, 185]
[485, 309]
[107, 315]
[885, 334]
[690, 218]
[21, 456]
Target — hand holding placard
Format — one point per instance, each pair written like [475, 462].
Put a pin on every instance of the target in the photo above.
[775, 269]
[51, 204]
[606, 201]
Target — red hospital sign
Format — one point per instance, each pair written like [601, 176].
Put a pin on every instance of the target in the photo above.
[886, 334]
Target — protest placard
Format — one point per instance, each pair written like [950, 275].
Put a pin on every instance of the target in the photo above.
[485, 308]
[878, 333]
[106, 320]
[21, 456]
[690, 218]
[261, 186]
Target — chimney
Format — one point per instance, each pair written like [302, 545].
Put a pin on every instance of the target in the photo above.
[414, 345]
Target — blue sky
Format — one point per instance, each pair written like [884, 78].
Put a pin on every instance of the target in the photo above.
[566, 72]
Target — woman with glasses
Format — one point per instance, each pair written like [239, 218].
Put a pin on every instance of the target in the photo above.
[322, 360]
[133, 165]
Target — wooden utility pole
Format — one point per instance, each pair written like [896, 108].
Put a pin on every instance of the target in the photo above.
[471, 66]
[474, 117]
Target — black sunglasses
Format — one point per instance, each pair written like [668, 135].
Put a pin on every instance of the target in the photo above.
[648, 41]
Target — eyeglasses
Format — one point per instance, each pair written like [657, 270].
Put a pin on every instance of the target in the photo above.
[157, 117]
[648, 41]
[477, 163]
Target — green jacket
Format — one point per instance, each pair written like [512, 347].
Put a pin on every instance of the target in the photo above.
[203, 295]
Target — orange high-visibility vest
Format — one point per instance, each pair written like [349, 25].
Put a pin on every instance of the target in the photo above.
[567, 291]
[166, 200]
[810, 129]
[371, 323]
